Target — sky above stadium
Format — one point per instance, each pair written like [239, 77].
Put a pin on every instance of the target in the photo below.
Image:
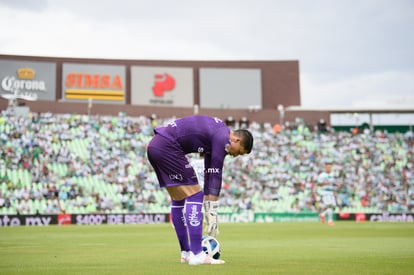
[353, 53]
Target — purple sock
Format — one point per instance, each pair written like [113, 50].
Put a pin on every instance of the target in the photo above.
[194, 218]
[178, 220]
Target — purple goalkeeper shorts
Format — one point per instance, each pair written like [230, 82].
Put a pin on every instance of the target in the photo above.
[170, 163]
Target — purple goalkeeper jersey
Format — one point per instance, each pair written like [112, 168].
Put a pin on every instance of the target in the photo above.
[202, 134]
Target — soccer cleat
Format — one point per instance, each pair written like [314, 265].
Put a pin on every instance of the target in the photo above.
[331, 223]
[185, 256]
[203, 258]
[322, 217]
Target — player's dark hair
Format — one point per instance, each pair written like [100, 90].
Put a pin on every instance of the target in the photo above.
[246, 139]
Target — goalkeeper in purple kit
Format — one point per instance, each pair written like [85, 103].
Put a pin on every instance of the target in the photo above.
[167, 154]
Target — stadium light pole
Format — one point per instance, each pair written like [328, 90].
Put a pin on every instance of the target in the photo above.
[281, 110]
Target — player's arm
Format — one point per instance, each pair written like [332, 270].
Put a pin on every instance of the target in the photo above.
[210, 201]
[207, 163]
[213, 172]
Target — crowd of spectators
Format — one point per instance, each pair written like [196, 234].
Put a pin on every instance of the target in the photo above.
[53, 163]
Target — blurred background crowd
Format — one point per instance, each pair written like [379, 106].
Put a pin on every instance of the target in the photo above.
[70, 163]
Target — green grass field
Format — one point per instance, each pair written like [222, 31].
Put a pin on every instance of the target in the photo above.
[274, 248]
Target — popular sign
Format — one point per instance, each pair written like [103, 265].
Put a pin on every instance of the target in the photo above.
[162, 86]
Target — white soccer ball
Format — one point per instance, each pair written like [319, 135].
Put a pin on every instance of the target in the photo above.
[211, 247]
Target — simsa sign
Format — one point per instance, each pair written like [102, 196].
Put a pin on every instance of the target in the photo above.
[100, 83]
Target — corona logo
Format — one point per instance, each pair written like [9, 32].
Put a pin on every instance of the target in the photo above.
[24, 86]
[25, 73]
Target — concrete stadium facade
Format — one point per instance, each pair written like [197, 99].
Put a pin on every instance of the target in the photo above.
[276, 82]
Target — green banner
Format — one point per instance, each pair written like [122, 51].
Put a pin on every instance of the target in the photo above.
[250, 216]
[286, 217]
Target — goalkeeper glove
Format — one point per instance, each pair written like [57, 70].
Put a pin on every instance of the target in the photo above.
[211, 217]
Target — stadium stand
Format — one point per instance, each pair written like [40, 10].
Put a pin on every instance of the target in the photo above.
[72, 163]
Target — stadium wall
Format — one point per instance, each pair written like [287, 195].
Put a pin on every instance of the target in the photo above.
[123, 87]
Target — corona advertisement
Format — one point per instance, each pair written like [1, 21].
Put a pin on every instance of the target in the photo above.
[27, 80]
